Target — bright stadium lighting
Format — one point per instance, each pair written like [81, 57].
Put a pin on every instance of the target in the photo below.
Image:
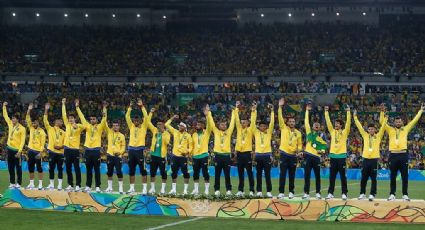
[364, 13]
[337, 13]
[37, 14]
[86, 15]
[262, 15]
[164, 17]
[313, 14]
[138, 15]
[289, 15]
[14, 14]
[65, 15]
[113, 15]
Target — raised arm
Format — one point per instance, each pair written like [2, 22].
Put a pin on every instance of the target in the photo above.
[253, 124]
[415, 120]
[168, 124]
[211, 122]
[46, 116]
[383, 127]
[328, 120]
[306, 119]
[64, 116]
[382, 114]
[27, 117]
[104, 121]
[80, 114]
[347, 120]
[232, 121]
[359, 125]
[271, 124]
[5, 115]
[151, 127]
[280, 118]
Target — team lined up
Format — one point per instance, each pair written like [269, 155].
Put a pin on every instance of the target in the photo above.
[63, 146]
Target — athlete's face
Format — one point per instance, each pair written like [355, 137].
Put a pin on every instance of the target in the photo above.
[316, 126]
[93, 120]
[35, 124]
[244, 123]
[291, 123]
[58, 122]
[116, 127]
[199, 126]
[371, 130]
[398, 123]
[337, 125]
[222, 126]
[262, 127]
[71, 119]
[182, 128]
[14, 120]
[136, 121]
[160, 126]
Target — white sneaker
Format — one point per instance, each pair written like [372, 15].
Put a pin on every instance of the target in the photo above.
[87, 189]
[162, 192]
[281, 196]
[144, 192]
[291, 195]
[318, 196]
[172, 192]
[69, 188]
[207, 192]
[259, 194]
[194, 192]
[306, 196]
[11, 186]
[131, 191]
[251, 194]
[371, 197]
[269, 195]
[51, 187]
[17, 186]
[40, 187]
[59, 188]
[239, 194]
[29, 187]
[405, 198]
[217, 193]
[152, 191]
[184, 192]
[228, 193]
[77, 189]
[391, 198]
[329, 197]
[108, 190]
[362, 197]
[344, 197]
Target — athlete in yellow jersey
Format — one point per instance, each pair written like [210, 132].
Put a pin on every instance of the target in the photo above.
[15, 144]
[36, 144]
[92, 145]
[55, 148]
[115, 150]
[263, 150]
[182, 147]
[290, 146]
[399, 157]
[244, 135]
[200, 154]
[222, 149]
[371, 154]
[158, 151]
[72, 148]
[315, 146]
[338, 151]
[136, 145]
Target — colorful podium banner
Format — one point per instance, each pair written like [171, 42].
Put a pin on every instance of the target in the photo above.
[352, 174]
[297, 209]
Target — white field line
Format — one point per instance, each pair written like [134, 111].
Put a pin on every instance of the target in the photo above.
[175, 223]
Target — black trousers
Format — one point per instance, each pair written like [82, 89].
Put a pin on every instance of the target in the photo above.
[33, 161]
[369, 169]
[399, 162]
[244, 160]
[136, 158]
[198, 165]
[311, 163]
[114, 162]
[72, 158]
[55, 160]
[92, 157]
[13, 163]
[179, 163]
[222, 163]
[288, 164]
[264, 163]
[338, 165]
[158, 163]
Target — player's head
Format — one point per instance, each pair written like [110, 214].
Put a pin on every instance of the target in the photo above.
[290, 122]
[182, 127]
[71, 119]
[35, 123]
[244, 122]
[115, 126]
[316, 126]
[58, 122]
[200, 125]
[15, 119]
[371, 129]
[263, 126]
[338, 124]
[93, 119]
[222, 125]
[398, 122]
[136, 120]
[160, 125]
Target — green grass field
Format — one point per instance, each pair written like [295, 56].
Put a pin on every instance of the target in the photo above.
[24, 219]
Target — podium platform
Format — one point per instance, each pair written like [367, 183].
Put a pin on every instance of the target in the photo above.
[310, 210]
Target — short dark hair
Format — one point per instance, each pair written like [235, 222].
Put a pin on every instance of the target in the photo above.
[93, 115]
[340, 121]
[15, 115]
[371, 125]
[115, 122]
[263, 122]
[397, 118]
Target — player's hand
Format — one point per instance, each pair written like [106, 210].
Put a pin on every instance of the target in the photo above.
[238, 103]
[105, 104]
[30, 106]
[77, 103]
[270, 106]
[355, 112]
[5, 103]
[326, 108]
[131, 103]
[153, 110]
[63, 100]
[139, 102]
[282, 101]
[58, 147]
[47, 106]
[382, 107]
[175, 117]
[38, 156]
[423, 106]
[308, 107]
[347, 108]
[18, 154]
[254, 106]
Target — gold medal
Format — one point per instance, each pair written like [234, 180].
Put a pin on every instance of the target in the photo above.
[157, 145]
[222, 145]
[262, 146]
[314, 145]
[199, 146]
[370, 149]
[243, 142]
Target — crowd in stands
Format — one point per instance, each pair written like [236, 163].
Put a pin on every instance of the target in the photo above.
[251, 49]
[222, 98]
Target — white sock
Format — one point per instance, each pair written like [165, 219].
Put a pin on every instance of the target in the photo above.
[185, 187]
[59, 182]
[32, 182]
[110, 184]
[145, 186]
[196, 185]
[207, 186]
[52, 182]
[152, 185]
[163, 186]
[131, 186]
[40, 183]
[173, 186]
[120, 185]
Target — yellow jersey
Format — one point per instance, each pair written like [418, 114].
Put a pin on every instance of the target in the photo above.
[244, 135]
[290, 139]
[37, 138]
[56, 136]
[137, 133]
[201, 141]
[72, 132]
[312, 147]
[16, 133]
[116, 142]
[93, 132]
[371, 144]
[222, 139]
[263, 140]
[160, 141]
[338, 148]
[182, 143]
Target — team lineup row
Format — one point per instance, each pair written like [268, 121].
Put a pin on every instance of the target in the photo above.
[63, 147]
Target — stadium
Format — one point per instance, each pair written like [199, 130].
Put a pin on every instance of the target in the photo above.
[231, 114]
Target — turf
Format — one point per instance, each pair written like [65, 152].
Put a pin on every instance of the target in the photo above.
[24, 219]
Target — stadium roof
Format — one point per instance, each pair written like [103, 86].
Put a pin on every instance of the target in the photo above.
[203, 3]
